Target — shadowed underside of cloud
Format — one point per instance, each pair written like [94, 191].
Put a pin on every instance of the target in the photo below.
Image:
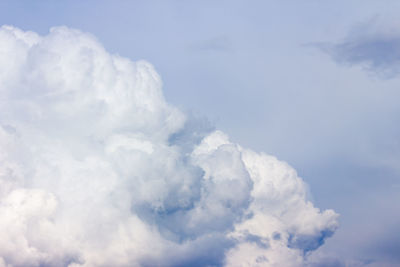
[96, 169]
[375, 49]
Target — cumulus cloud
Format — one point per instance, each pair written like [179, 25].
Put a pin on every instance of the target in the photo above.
[372, 45]
[97, 169]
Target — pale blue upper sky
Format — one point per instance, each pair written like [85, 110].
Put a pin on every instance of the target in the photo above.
[315, 83]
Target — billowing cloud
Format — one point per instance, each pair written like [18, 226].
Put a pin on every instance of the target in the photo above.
[97, 169]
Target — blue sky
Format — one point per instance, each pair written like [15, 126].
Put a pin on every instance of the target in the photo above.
[314, 83]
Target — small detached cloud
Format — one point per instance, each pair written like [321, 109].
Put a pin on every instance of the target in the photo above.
[372, 46]
[97, 169]
[219, 43]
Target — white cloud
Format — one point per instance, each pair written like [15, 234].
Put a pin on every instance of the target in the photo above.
[94, 170]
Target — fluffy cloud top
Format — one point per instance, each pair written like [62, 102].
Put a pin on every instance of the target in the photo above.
[96, 169]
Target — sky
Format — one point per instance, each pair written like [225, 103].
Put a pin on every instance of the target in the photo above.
[313, 83]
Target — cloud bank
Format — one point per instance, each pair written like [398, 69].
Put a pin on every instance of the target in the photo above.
[97, 169]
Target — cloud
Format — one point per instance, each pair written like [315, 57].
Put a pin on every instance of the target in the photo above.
[218, 43]
[97, 169]
[372, 45]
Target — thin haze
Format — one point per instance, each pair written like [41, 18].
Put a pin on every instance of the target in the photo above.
[311, 82]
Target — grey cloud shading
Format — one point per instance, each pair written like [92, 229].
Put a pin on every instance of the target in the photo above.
[376, 49]
[261, 242]
[309, 243]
